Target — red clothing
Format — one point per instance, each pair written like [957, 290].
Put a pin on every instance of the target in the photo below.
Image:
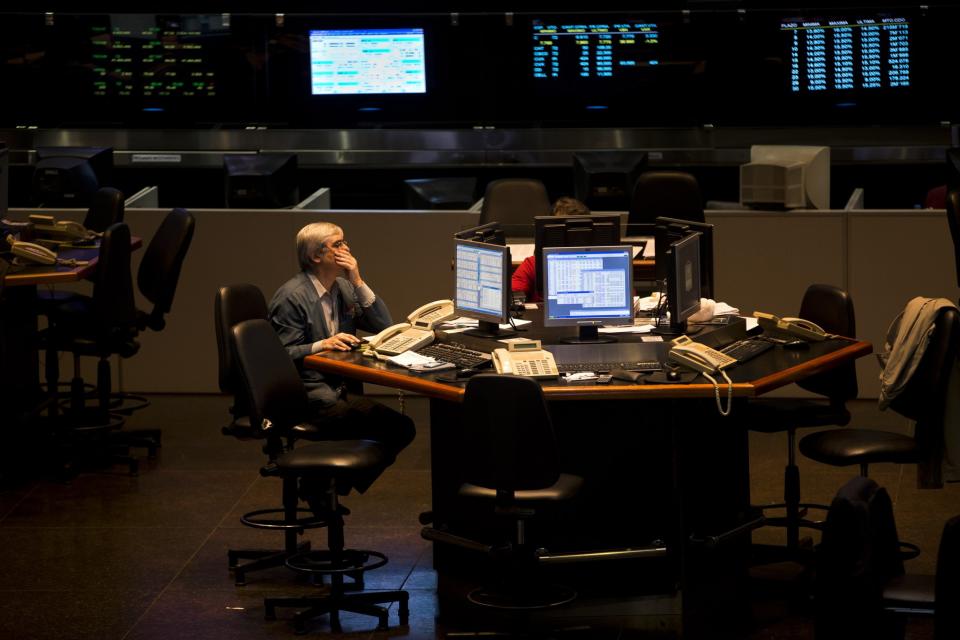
[525, 279]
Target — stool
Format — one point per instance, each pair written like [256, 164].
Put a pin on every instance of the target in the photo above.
[332, 465]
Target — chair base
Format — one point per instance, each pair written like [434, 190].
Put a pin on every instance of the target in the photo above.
[333, 603]
[259, 559]
[345, 562]
[522, 596]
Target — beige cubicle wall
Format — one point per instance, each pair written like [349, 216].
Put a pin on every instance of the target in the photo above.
[764, 261]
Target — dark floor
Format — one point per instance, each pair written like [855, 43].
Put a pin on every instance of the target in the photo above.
[112, 556]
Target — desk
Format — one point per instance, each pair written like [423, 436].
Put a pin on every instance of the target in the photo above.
[659, 462]
[20, 391]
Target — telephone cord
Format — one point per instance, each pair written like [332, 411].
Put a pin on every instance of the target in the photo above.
[716, 392]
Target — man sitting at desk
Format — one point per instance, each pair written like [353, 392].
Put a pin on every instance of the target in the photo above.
[320, 309]
[525, 277]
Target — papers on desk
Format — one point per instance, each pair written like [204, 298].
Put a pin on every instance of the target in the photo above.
[640, 325]
[458, 325]
[416, 362]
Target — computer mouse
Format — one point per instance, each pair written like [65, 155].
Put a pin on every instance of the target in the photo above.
[796, 344]
[466, 373]
[673, 375]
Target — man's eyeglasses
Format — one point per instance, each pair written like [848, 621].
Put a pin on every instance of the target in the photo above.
[339, 244]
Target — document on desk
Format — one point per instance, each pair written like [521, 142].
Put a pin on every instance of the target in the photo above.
[458, 325]
[640, 325]
[416, 362]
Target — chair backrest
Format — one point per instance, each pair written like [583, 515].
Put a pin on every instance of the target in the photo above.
[113, 305]
[106, 208]
[271, 382]
[859, 553]
[953, 220]
[922, 398]
[234, 304]
[947, 589]
[514, 201]
[673, 194]
[509, 442]
[160, 268]
[832, 309]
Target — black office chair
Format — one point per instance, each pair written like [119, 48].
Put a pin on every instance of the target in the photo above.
[278, 405]
[101, 325]
[832, 309]
[514, 201]
[953, 220]
[233, 305]
[157, 280]
[923, 399]
[511, 471]
[673, 194]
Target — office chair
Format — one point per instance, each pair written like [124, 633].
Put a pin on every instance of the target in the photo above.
[233, 305]
[278, 404]
[953, 220]
[923, 399]
[832, 309]
[101, 325]
[511, 471]
[106, 208]
[673, 194]
[514, 201]
[157, 280]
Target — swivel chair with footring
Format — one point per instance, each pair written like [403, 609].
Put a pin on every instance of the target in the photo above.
[278, 401]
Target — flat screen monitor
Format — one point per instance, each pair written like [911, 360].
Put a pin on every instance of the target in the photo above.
[69, 176]
[572, 231]
[786, 177]
[668, 230]
[367, 61]
[490, 233]
[482, 288]
[603, 180]
[261, 181]
[587, 287]
[683, 283]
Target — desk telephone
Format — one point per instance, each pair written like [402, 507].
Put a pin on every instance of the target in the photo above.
[698, 356]
[794, 326]
[526, 358]
[707, 361]
[31, 252]
[415, 333]
[60, 229]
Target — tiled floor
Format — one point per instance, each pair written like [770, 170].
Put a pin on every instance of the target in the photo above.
[108, 556]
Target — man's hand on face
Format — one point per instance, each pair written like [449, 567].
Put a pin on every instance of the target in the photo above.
[349, 264]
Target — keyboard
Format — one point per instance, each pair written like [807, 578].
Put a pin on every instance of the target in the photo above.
[573, 367]
[457, 354]
[746, 349]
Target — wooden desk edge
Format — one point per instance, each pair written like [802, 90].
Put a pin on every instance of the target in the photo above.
[851, 352]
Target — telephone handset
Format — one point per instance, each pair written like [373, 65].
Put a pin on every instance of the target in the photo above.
[526, 359]
[45, 225]
[431, 314]
[794, 326]
[31, 252]
[414, 334]
[698, 356]
[707, 361]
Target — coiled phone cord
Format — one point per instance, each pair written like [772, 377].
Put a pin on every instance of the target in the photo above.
[716, 392]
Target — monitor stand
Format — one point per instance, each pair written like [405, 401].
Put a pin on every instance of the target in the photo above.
[589, 335]
[489, 330]
[679, 329]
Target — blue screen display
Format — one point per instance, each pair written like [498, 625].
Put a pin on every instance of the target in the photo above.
[367, 61]
[588, 283]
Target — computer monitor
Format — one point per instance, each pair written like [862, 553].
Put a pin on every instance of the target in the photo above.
[669, 230]
[587, 287]
[490, 233]
[683, 283]
[482, 288]
[261, 181]
[786, 177]
[572, 231]
[367, 61]
[603, 180]
[69, 176]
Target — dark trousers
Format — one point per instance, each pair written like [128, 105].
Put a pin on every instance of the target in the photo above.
[360, 418]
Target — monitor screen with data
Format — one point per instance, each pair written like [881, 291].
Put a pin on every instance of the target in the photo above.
[482, 288]
[367, 61]
[588, 286]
